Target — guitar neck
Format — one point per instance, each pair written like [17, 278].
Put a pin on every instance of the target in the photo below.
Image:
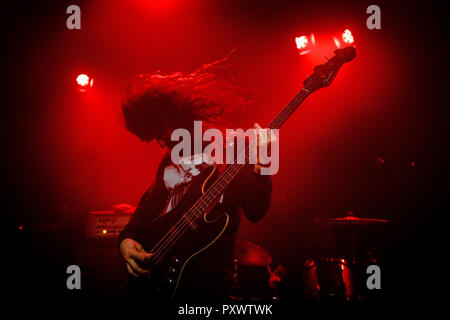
[217, 188]
[288, 110]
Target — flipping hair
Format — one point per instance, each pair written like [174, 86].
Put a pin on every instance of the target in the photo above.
[157, 102]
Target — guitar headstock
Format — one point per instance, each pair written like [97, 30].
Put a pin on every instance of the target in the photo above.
[324, 74]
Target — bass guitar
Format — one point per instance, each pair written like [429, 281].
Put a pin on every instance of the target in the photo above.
[194, 225]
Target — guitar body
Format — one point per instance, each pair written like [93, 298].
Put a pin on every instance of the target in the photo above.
[166, 271]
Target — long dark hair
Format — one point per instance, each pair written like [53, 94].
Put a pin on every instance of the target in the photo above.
[156, 102]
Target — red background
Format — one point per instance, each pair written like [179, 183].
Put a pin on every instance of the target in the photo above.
[66, 152]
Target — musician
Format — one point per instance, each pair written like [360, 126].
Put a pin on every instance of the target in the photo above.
[156, 105]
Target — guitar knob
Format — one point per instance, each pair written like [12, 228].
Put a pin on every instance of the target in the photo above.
[175, 260]
[172, 270]
[169, 281]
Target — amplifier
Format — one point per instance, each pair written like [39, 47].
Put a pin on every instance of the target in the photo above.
[106, 224]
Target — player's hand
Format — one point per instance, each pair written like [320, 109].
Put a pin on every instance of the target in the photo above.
[264, 138]
[134, 253]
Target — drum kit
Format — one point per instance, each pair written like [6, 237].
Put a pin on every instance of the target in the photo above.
[330, 273]
[253, 278]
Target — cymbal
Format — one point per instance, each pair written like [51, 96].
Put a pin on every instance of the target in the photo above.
[350, 221]
[250, 254]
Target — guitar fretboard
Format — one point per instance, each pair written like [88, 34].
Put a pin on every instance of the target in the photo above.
[217, 188]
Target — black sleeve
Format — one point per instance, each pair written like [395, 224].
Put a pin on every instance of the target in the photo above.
[150, 206]
[256, 191]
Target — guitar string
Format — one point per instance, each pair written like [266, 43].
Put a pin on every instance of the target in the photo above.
[235, 167]
[183, 224]
[181, 228]
[184, 220]
[184, 227]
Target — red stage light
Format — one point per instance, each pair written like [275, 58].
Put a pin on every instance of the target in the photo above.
[301, 42]
[347, 37]
[84, 82]
[304, 45]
